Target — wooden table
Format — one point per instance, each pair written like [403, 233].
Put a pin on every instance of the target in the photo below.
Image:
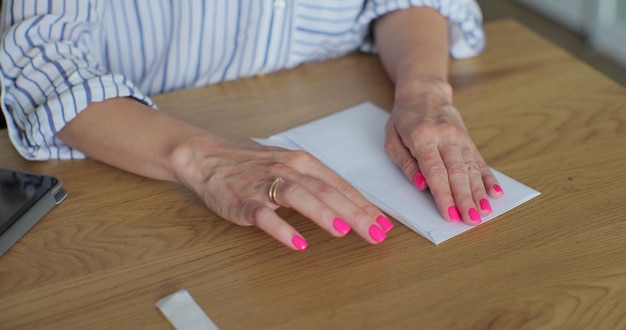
[120, 242]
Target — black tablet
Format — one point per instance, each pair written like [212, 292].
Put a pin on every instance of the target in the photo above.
[24, 199]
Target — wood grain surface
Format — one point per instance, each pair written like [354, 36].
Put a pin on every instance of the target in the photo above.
[120, 242]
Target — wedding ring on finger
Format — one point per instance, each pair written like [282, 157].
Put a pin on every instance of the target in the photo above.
[274, 188]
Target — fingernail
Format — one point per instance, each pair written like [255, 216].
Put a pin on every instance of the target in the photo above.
[384, 223]
[377, 234]
[419, 181]
[474, 215]
[498, 189]
[341, 226]
[299, 242]
[485, 205]
[454, 214]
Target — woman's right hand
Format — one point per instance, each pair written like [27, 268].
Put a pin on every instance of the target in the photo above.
[234, 181]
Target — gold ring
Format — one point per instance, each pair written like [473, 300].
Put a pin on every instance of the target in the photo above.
[274, 188]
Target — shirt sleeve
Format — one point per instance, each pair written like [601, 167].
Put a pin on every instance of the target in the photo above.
[50, 70]
[466, 35]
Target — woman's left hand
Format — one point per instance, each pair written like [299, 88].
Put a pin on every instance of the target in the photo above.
[426, 137]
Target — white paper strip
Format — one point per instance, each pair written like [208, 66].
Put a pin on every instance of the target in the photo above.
[184, 313]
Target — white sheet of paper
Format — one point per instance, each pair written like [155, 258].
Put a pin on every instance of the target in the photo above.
[184, 313]
[351, 143]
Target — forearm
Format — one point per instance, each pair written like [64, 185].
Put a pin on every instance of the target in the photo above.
[129, 135]
[413, 47]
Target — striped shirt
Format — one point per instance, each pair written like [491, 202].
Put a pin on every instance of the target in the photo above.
[58, 56]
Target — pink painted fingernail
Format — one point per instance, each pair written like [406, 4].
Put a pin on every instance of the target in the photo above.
[498, 189]
[419, 181]
[384, 223]
[485, 205]
[299, 242]
[454, 214]
[341, 226]
[377, 234]
[474, 215]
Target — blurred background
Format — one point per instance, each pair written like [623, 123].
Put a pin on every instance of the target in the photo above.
[592, 30]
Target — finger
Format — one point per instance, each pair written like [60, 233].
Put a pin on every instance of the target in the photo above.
[434, 169]
[346, 196]
[398, 152]
[458, 174]
[295, 196]
[326, 206]
[477, 185]
[268, 221]
[492, 186]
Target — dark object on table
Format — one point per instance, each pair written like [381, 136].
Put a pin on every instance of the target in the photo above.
[24, 199]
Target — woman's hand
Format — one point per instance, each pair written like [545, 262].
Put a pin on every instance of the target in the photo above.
[426, 137]
[425, 133]
[235, 181]
[232, 180]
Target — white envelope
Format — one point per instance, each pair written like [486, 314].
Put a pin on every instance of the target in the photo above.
[351, 143]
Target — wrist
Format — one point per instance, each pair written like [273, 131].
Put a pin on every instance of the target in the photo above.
[423, 89]
[191, 157]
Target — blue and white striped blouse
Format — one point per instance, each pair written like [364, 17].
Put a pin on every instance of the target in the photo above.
[57, 56]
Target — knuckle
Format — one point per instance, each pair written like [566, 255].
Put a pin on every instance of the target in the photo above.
[445, 196]
[483, 168]
[464, 198]
[450, 132]
[467, 151]
[261, 218]
[401, 156]
[426, 133]
[358, 215]
[457, 168]
[444, 88]
[472, 166]
[479, 192]
[407, 164]
[345, 187]
[392, 147]
[437, 170]
[258, 214]
[279, 168]
[300, 158]
[325, 191]
[371, 210]
[250, 214]
[288, 189]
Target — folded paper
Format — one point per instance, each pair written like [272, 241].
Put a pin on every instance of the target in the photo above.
[351, 143]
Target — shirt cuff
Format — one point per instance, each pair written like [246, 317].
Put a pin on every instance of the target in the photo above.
[464, 17]
[33, 132]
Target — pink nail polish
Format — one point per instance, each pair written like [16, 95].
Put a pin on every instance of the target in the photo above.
[377, 234]
[299, 242]
[498, 189]
[454, 214]
[473, 213]
[419, 181]
[341, 226]
[384, 223]
[485, 205]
